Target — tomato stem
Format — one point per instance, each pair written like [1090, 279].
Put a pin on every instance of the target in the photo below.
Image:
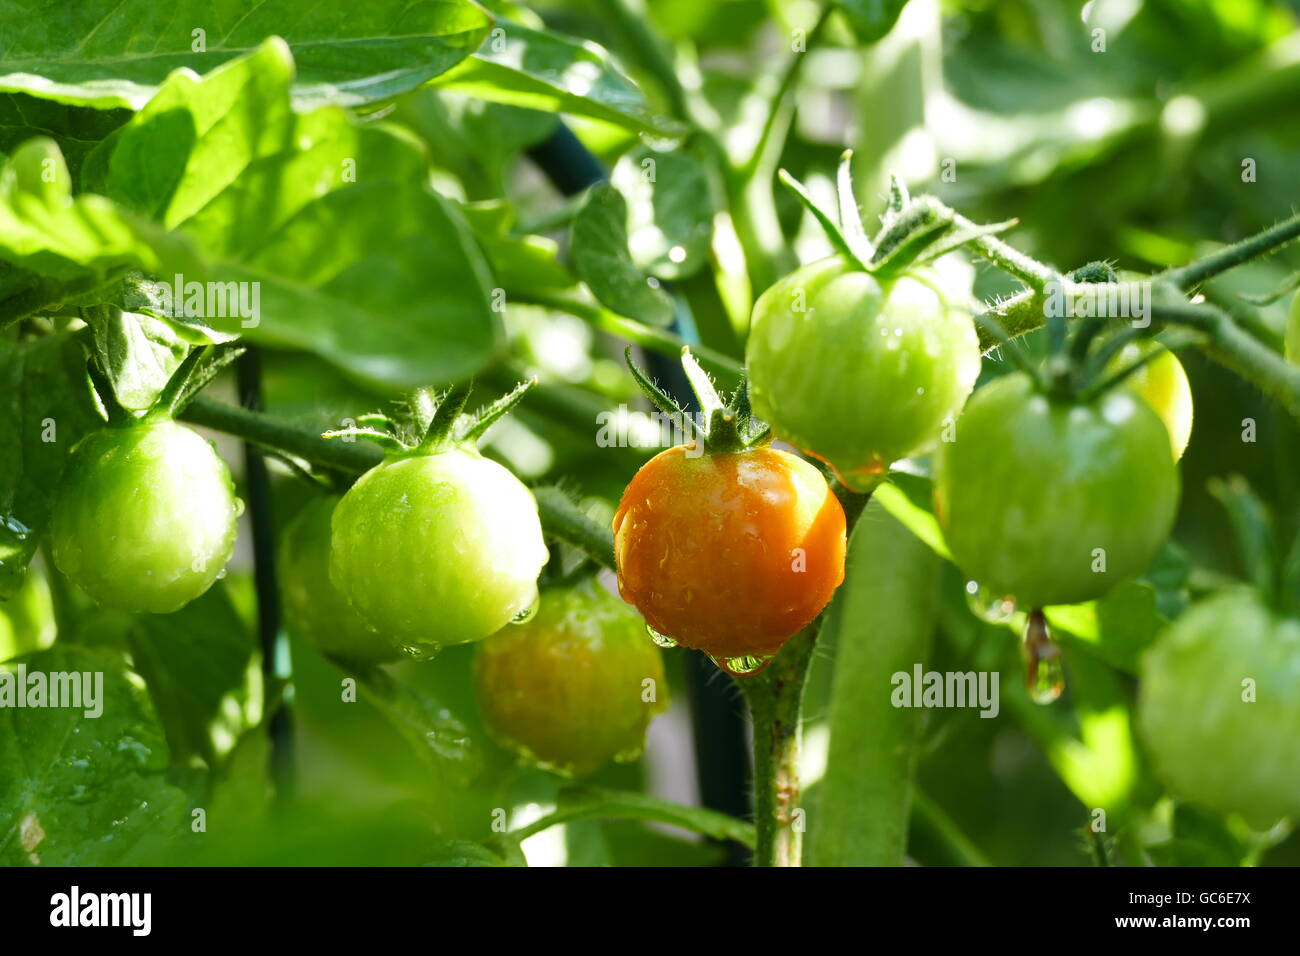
[775, 702]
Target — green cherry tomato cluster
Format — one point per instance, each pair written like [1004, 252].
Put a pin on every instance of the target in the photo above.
[574, 687]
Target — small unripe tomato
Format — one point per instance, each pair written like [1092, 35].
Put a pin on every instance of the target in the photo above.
[1054, 502]
[859, 372]
[574, 687]
[313, 607]
[437, 549]
[1293, 331]
[27, 619]
[1163, 384]
[146, 517]
[729, 553]
[1219, 708]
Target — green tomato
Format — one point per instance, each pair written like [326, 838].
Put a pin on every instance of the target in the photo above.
[146, 517]
[576, 686]
[313, 607]
[1293, 331]
[1054, 503]
[1163, 384]
[437, 549]
[858, 372]
[1219, 708]
[27, 619]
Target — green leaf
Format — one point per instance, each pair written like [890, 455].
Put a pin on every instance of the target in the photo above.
[439, 738]
[138, 353]
[1200, 838]
[473, 139]
[48, 232]
[1116, 629]
[517, 261]
[871, 19]
[76, 129]
[85, 791]
[196, 664]
[881, 622]
[542, 70]
[45, 408]
[670, 213]
[599, 251]
[906, 506]
[326, 226]
[105, 54]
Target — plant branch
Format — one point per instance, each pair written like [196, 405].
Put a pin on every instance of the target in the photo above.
[650, 53]
[775, 703]
[1233, 347]
[596, 803]
[1271, 239]
[561, 518]
[564, 520]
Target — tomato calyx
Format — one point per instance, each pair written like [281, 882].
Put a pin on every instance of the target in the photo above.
[199, 367]
[913, 231]
[427, 424]
[724, 426]
[1075, 372]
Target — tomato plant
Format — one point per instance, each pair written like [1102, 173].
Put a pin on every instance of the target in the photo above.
[863, 366]
[574, 687]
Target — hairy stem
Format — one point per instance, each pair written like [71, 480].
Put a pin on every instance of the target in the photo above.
[1233, 347]
[1271, 239]
[775, 703]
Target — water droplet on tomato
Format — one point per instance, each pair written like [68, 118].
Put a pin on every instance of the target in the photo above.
[528, 613]
[744, 666]
[421, 652]
[1044, 671]
[663, 640]
[987, 605]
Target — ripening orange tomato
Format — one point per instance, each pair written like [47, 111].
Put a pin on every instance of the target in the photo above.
[730, 553]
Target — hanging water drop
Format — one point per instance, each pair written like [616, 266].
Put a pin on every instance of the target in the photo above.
[1044, 671]
[744, 666]
[421, 652]
[987, 605]
[663, 640]
[528, 613]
